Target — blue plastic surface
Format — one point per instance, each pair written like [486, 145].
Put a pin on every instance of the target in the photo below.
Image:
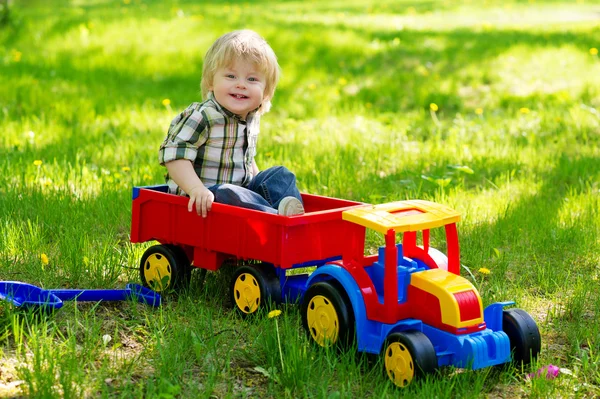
[27, 295]
[475, 351]
[161, 187]
[492, 315]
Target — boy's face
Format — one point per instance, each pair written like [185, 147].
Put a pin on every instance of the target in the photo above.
[239, 87]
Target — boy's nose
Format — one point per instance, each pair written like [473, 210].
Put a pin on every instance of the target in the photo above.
[240, 84]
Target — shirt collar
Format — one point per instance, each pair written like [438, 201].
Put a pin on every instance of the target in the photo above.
[230, 114]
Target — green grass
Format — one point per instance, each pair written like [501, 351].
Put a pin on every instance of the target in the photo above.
[513, 145]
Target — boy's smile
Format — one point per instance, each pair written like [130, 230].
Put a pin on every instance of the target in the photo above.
[239, 87]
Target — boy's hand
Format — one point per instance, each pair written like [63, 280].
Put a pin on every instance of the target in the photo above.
[203, 198]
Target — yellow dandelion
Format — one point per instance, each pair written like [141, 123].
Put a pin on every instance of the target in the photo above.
[479, 111]
[44, 259]
[369, 105]
[433, 107]
[594, 51]
[16, 55]
[125, 168]
[274, 313]
[484, 270]
[312, 86]
[342, 81]
[524, 110]
[126, 1]
[37, 162]
[166, 102]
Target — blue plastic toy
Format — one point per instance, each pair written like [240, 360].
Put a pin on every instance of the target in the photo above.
[30, 296]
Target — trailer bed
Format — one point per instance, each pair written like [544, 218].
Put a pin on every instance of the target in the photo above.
[318, 236]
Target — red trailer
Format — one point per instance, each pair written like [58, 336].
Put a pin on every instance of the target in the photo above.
[312, 239]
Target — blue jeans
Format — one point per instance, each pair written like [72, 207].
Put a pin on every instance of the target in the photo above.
[264, 193]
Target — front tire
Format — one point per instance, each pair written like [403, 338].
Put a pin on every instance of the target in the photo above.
[523, 334]
[327, 315]
[408, 355]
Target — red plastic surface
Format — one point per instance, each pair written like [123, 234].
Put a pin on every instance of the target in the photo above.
[468, 302]
[230, 231]
[426, 306]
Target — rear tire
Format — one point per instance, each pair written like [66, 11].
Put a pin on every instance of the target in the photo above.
[254, 287]
[185, 268]
[163, 268]
[327, 315]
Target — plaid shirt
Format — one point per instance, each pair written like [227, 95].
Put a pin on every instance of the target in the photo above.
[220, 145]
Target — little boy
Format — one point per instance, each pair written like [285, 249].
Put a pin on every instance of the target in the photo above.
[210, 147]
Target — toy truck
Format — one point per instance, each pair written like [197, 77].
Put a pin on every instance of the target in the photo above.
[407, 302]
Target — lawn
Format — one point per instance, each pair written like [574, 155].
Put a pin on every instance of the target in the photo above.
[491, 107]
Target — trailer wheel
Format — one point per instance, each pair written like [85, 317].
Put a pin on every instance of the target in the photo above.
[327, 315]
[408, 355]
[164, 267]
[185, 267]
[523, 334]
[253, 287]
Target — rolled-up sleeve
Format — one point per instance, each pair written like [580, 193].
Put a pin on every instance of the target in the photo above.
[187, 133]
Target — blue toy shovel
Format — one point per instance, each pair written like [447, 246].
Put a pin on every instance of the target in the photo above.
[30, 296]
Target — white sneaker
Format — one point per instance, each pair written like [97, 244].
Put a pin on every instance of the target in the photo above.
[290, 206]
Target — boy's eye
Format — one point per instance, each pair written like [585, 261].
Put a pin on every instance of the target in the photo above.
[230, 76]
[253, 79]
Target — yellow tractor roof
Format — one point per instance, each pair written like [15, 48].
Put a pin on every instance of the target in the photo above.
[401, 216]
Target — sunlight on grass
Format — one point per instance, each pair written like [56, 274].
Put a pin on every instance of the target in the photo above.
[580, 208]
[445, 16]
[491, 203]
[525, 71]
[23, 239]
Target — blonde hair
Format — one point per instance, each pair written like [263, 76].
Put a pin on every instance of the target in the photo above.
[248, 46]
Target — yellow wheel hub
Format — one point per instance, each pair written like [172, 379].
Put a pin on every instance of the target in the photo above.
[323, 322]
[399, 364]
[246, 293]
[157, 272]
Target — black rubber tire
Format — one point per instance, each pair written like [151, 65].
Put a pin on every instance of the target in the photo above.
[335, 295]
[523, 334]
[422, 354]
[185, 268]
[177, 268]
[268, 288]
